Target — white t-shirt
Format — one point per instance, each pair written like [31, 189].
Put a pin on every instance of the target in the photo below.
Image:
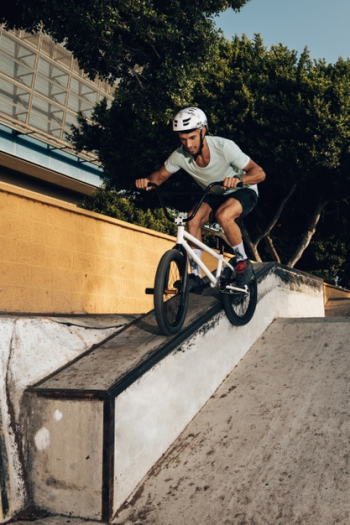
[226, 160]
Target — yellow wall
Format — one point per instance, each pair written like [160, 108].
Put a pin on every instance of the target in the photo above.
[334, 292]
[56, 258]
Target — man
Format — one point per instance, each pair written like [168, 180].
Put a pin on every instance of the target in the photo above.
[207, 159]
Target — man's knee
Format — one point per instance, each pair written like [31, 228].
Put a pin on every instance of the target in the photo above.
[201, 217]
[226, 215]
[197, 222]
[229, 211]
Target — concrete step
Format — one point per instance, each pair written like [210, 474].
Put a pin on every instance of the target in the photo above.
[97, 426]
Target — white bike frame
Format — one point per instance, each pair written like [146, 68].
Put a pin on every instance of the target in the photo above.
[182, 235]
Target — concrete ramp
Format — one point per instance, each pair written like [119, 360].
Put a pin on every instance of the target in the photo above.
[98, 425]
[272, 446]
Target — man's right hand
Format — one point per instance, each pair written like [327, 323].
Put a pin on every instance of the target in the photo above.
[142, 184]
[158, 177]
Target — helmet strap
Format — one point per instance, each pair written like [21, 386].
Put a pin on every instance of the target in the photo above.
[201, 144]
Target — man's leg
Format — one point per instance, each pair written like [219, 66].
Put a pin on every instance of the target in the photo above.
[226, 215]
[195, 225]
[195, 228]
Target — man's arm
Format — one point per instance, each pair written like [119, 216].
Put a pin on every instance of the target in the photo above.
[253, 175]
[157, 177]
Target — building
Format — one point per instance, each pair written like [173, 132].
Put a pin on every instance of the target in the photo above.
[42, 90]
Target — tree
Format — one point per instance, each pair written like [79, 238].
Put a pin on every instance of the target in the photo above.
[155, 49]
[329, 256]
[292, 116]
[289, 114]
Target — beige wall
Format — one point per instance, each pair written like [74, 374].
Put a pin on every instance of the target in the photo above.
[333, 292]
[56, 258]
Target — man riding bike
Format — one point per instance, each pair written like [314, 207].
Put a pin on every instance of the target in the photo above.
[207, 159]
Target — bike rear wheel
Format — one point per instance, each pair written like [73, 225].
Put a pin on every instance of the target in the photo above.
[171, 292]
[239, 306]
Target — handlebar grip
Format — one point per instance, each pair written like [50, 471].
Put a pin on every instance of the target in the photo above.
[239, 185]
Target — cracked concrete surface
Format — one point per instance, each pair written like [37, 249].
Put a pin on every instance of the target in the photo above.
[272, 446]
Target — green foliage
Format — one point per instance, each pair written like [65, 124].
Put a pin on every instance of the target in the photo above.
[131, 147]
[155, 48]
[329, 254]
[329, 258]
[124, 142]
[291, 115]
[124, 208]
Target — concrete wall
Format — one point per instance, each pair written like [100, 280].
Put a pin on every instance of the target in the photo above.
[31, 348]
[57, 258]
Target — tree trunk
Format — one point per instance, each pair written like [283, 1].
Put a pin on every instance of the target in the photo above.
[265, 234]
[277, 215]
[271, 249]
[306, 238]
[251, 247]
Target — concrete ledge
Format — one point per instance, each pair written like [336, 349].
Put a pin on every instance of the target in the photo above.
[117, 409]
[31, 348]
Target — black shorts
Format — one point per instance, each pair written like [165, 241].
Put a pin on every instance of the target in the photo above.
[248, 199]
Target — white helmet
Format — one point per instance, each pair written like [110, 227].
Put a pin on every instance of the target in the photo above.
[188, 119]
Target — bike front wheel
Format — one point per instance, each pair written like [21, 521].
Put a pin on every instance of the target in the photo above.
[171, 292]
[239, 306]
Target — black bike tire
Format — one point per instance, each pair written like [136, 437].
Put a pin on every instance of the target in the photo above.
[171, 312]
[229, 306]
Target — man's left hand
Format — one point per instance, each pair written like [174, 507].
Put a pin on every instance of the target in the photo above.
[230, 182]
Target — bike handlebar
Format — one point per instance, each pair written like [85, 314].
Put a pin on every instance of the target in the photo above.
[198, 205]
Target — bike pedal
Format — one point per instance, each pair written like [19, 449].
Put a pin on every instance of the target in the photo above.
[149, 291]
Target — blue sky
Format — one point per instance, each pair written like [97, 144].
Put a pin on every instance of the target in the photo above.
[321, 25]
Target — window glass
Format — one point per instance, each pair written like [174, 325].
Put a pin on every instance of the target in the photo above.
[45, 115]
[12, 98]
[50, 90]
[46, 69]
[7, 44]
[25, 56]
[41, 84]
[38, 122]
[77, 104]
[23, 75]
[71, 120]
[85, 91]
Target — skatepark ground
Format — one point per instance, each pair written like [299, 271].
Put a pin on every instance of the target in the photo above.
[272, 445]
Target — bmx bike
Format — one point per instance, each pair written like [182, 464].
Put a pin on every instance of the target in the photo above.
[171, 286]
